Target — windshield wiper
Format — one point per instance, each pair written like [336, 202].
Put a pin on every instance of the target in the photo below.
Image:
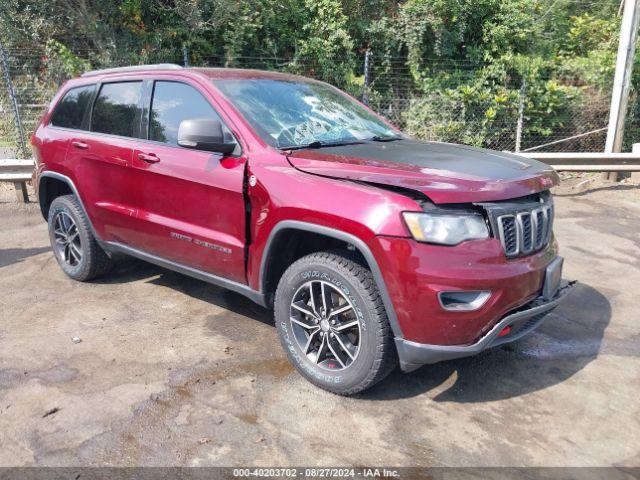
[320, 144]
[385, 138]
[314, 144]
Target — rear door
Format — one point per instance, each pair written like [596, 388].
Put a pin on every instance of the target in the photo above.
[101, 158]
[190, 203]
[67, 121]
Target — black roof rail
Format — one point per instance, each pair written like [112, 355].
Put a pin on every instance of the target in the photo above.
[133, 68]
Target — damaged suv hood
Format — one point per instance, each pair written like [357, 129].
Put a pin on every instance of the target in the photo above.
[444, 172]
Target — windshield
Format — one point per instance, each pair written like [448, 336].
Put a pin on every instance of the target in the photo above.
[289, 114]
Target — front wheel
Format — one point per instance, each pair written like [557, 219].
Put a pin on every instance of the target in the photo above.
[332, 323]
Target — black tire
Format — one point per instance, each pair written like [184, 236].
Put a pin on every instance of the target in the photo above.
[375, 355]
[93, 260]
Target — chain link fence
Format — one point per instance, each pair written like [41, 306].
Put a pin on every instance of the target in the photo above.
[443, 101]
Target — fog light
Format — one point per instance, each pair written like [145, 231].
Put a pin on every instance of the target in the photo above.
[463, 301]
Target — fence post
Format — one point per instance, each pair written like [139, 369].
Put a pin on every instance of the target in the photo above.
[4, 64]
[365, 90]
[622, 80]
[523, 94]
[185, 56]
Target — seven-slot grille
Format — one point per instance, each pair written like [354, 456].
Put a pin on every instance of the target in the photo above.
[524, 232]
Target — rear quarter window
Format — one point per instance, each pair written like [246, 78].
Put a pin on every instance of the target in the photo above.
[71, 109]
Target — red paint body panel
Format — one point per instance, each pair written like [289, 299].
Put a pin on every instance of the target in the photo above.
[198, 195]
[203, 196]
[415, 272]
[284, 193]
[104, 183]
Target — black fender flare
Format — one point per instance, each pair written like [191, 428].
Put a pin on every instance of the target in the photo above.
[74, 190]
[359, 244]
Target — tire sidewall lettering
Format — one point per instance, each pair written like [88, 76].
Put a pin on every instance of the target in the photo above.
[308, 275]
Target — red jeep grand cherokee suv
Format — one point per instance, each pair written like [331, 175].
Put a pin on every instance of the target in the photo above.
[371, 247]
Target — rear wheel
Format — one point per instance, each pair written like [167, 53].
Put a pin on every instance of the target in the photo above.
[73, 242]
[332, 323]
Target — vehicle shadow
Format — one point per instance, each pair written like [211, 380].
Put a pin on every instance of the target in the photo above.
[569, 339]
[9, 256]
[128, 269]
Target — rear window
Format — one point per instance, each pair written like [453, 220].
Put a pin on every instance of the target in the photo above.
[116, 109]
[70, 110]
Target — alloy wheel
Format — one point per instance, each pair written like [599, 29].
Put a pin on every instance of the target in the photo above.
[67, 239]
[325, 325]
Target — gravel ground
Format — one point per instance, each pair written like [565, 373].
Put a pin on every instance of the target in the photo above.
[172, 371]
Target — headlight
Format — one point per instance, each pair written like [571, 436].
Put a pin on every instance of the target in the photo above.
[446, 228]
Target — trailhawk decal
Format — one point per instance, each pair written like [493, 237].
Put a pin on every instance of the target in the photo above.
[202, 243]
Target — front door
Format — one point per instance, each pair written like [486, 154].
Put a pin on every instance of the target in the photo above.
[190, 203]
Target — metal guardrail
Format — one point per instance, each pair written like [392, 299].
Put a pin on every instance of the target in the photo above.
[588, 161]
[12, 169]
[19, 172]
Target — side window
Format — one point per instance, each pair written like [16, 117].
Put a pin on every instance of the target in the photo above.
[115, 110]
[70, 110]
[172, 103]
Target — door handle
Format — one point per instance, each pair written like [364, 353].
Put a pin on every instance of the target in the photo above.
[148, 157]
[80, 145]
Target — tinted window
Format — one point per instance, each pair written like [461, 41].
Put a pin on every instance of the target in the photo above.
[70, 110]
[116, 107]
[172, 103]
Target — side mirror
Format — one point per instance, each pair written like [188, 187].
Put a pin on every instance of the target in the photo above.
[204, 134]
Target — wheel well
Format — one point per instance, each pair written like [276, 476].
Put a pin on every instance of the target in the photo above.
[48, 190]
[291, 245]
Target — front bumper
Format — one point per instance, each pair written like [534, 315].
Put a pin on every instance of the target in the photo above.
[523, 321]
[415, 273]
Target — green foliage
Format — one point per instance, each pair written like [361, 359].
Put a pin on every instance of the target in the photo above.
[453, 116]
[454, 67]
[63, 62]
[327, 45]
[587, 33]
